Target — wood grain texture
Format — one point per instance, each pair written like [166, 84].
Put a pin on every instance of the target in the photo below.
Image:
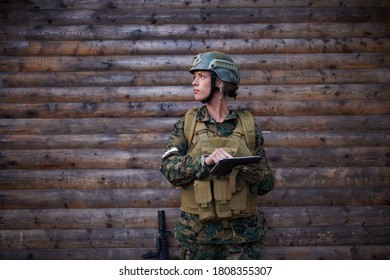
[179, 46]
[81, 179]
[326, 92]
[90, 91]
[123, 4]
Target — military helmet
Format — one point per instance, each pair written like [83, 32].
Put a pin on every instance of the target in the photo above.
[219, 63]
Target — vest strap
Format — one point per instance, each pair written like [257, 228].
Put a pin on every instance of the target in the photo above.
[189, 124]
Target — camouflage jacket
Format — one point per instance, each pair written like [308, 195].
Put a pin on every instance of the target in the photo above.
[181, 169]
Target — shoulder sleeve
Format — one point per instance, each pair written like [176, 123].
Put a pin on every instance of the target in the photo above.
[178, 167]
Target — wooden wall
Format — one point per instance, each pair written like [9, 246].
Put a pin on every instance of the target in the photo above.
[89, 91]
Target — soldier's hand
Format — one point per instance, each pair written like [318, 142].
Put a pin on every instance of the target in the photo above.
[216, 156]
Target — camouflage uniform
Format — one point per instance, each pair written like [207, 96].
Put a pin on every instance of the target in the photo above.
[238, 238]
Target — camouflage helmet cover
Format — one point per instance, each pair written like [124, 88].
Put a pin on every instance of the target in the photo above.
[219, 63]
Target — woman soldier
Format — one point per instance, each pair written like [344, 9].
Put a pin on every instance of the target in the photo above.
[219, 217]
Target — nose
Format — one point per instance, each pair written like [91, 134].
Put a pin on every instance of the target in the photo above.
[195, 81]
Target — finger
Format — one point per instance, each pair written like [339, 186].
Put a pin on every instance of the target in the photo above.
[224, 154]
[219, 154]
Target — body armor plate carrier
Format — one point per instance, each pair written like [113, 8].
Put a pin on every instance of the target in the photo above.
[223, 197]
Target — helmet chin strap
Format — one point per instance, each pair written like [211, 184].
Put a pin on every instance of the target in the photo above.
[213, 88]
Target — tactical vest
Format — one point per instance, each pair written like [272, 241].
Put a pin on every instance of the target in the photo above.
[223, 197]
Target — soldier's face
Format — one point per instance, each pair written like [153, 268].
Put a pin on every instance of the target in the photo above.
[201, 84]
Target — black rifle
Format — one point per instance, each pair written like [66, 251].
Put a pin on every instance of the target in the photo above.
[161, 240]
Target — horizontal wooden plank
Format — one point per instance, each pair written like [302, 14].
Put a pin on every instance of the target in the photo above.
[339, 177]
[313, 177]
[151, 158]
[321, 123]
[196, 31]
[144, 198]
[159, 15]
[172, 109]
[177, 78]
[159, 140]
[118, 198]
[126, 4]
[81, 238]
[327, 236]
[337, 216]
[87, 141]
[166, 63]
[326, 139]
[325, 216]
[86, 125]
[321, 157]
[378, 252]
[192, 46]
[83, 254]
[164, 125]
[130, 218]
[25, 95]
[129, 94]
[84, 159]
[355, 196]
[88, 179]
[365, 252]
[145, 238]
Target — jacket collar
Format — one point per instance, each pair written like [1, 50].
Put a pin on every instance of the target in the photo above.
[203, 116]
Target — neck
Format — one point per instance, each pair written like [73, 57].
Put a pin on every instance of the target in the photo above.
[218, 109]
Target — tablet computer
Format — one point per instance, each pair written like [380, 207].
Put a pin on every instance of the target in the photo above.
[225, 166]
